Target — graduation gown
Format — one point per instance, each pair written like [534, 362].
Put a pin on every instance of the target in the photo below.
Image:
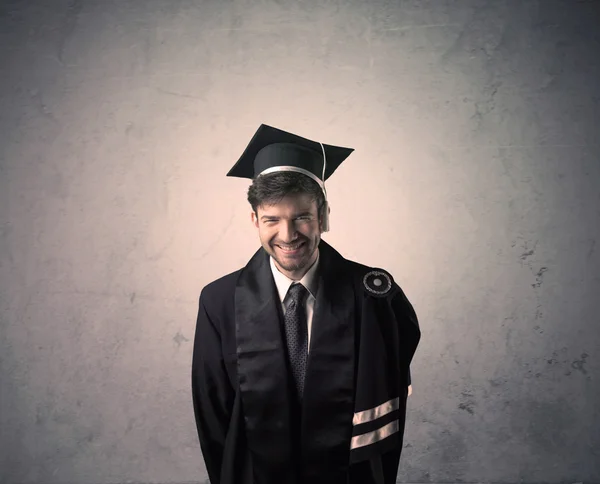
[349, 427]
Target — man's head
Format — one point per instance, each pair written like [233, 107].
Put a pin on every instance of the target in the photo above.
[288, 209]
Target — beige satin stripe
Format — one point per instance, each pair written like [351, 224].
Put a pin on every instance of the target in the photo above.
[375, 436]
[296, 169]
[375, 413]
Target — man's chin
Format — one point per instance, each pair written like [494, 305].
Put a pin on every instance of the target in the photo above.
[290, 263]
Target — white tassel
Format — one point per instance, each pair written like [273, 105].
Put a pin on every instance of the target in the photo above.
[326, 204]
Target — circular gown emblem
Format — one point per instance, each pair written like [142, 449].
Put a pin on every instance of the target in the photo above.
[377, 282]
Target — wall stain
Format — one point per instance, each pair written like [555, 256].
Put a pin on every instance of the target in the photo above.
[538, 277]
[466, 406]
[468, 402]
[179, 94]
[580, 364]
[526, 253]
[179, 338]
[497, 382]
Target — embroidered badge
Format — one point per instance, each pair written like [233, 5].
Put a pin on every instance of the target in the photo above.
[377, 283]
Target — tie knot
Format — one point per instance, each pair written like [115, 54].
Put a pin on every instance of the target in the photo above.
[297, 292]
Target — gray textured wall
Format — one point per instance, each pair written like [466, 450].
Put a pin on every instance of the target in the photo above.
[475, 182]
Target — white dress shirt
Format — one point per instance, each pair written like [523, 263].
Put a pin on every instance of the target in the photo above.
[309, 281]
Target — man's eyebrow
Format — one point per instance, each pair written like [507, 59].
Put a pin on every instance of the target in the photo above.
[301, 214]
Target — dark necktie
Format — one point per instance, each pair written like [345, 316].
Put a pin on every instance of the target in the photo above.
[296, 335]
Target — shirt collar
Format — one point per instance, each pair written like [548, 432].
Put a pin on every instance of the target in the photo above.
[283, 283]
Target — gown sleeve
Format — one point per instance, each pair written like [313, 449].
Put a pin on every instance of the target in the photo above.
[408, 330]
[212, 394]
[385, 470]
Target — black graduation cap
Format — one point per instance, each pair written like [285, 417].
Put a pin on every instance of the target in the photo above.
[276, 150]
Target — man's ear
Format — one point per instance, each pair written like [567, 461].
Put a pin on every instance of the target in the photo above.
[254, 218]
[322, 216]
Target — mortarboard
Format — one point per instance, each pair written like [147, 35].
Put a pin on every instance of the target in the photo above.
[272, 149]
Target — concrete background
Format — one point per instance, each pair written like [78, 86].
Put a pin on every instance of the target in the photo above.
[475, 182]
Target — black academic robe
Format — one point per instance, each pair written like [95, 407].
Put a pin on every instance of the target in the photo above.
[349, 427]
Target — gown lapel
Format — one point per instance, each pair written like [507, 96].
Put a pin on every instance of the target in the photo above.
[328, 405]
[262, 372]
[266, 386]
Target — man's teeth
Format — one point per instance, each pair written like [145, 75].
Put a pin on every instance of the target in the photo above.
[290, 248]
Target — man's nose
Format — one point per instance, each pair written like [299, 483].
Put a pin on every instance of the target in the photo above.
[288, 231]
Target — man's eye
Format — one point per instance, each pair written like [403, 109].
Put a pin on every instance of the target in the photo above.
[305, 217]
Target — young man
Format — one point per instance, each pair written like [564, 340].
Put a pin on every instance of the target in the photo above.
[300, 370]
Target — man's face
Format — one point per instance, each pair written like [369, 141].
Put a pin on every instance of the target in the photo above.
[291, 222]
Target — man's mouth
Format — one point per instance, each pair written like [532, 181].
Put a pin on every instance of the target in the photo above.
[291, 248]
